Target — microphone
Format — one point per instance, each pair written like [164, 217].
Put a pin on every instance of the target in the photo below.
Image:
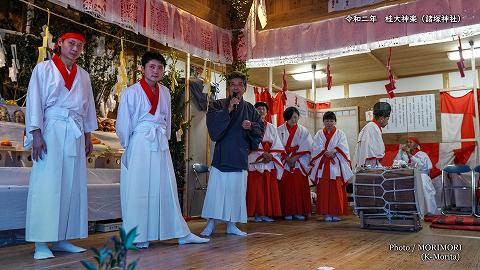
[234, 96]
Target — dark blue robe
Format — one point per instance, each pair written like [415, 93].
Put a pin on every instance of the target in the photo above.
[232, 142]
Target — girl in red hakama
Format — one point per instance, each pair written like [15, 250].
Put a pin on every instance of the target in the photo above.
[265, 167]
[294, 187]
[331, 169]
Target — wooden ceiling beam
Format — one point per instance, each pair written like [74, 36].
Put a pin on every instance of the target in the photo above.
[380, 63]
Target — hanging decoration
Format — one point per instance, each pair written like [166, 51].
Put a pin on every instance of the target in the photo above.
[173, 74]
[206, 79]
[100, 46]
[389, 87]
[3, 53]
[43, 50]
[461, 63]
[13, 71]
[329, 76]
[122, 78]
[262, 13]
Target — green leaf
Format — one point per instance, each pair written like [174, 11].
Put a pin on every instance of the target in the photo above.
[104, 252]
[133, 265]
[88, 265]
[130, 238]
[123, 235]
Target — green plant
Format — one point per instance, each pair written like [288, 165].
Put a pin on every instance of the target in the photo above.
[238, 12]
[107, 258]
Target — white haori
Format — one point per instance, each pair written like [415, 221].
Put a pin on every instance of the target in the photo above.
[57, 196]
[339, 165]
[370, 147]
[302, 141]
[226, 196]
[276, 149]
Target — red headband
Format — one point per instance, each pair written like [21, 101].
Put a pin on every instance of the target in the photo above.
[413, 139]
[72, 35]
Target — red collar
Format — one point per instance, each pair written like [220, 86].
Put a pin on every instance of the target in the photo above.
[378, 124]
[152, 97]
[329, 135]
[67, 78]
[290, 128]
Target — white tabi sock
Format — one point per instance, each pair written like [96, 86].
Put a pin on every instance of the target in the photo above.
[232, 229]
[209, 229]
[67, 247]
[192, 239]
[42, 251]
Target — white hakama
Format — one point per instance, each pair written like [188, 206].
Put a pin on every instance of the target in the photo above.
[225, 199]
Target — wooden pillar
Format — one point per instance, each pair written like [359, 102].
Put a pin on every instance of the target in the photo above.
[475, 98]
[187, 137]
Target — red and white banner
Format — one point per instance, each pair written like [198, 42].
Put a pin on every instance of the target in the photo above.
[457, 116]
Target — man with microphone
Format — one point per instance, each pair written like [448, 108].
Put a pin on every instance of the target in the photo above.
[236, 128]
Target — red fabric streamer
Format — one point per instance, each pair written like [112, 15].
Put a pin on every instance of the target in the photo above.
[389, 87]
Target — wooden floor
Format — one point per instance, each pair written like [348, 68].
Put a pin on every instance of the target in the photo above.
[279, 245]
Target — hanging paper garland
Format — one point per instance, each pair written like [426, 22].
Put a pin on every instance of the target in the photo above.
[13, 71]
[3, 53]
[122, 78]
[42, 50]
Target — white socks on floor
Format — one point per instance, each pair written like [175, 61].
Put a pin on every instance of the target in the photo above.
[232, 229]
[66, 246]
[42, 251]
[209, 229]
[192, 239]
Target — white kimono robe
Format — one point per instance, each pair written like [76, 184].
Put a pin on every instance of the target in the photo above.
[424, 164]
[300, 144]
[148, 187]
[271, 144]
[57, 193]
[339, 165]
[370, 148]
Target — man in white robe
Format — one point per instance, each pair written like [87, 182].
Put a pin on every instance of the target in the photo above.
[148, 186]
[411, 154]
[370, 147]
[59, 118]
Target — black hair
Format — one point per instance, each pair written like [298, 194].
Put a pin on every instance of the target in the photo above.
[261, 104]
[381, 109]
[148, 56]
[329, 116]
[237, 74]
[288, 113]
